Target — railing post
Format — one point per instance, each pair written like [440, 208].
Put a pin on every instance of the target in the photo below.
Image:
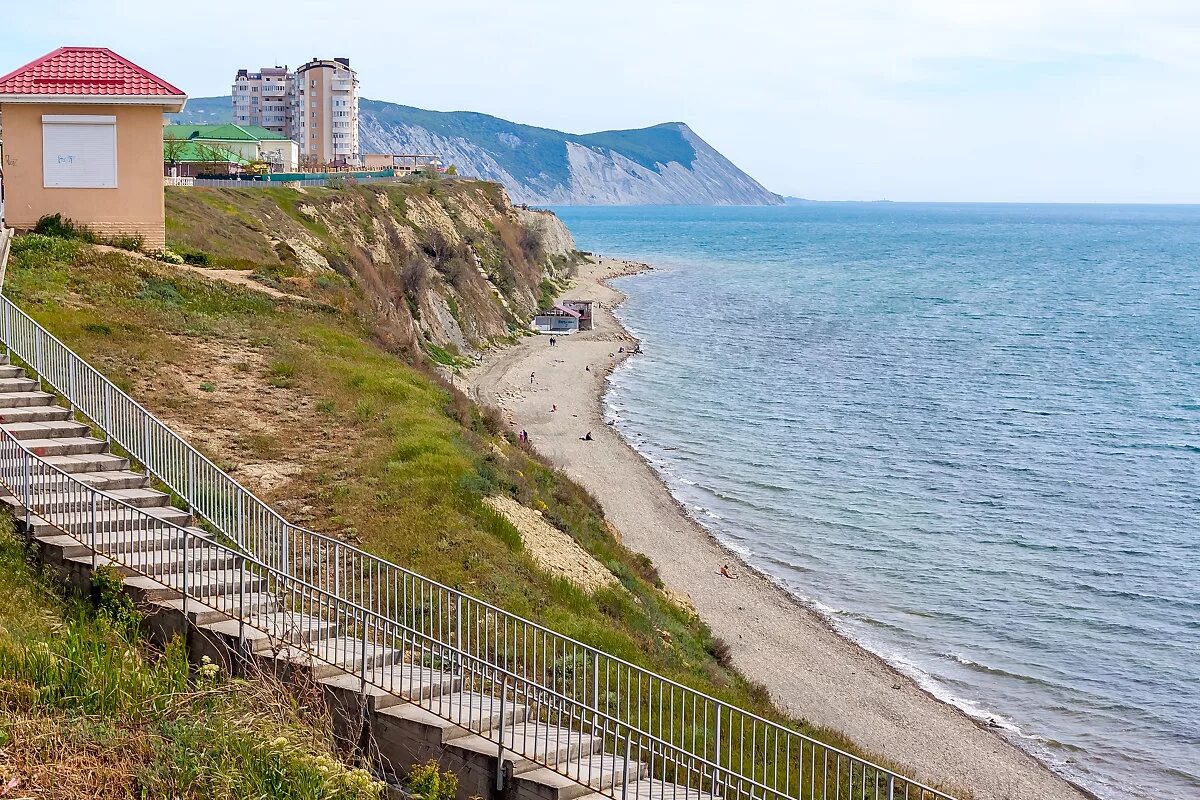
[92, 495]
[716, 753]
[287, 564]
[625, 772]
[107, 411]
[458, 659]
[191, 480]
[891, 794]
[500, 735]
[28, 488]
[595, 692]
[363, 669]
[241, 609]
[185, 583]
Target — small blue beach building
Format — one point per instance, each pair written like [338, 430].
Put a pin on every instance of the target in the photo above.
[558, 319]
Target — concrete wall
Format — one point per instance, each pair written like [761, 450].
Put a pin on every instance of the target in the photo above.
[135, 207]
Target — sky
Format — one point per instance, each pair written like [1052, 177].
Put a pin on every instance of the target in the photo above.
[922, 100]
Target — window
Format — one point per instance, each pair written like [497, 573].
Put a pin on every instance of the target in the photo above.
[79, 152]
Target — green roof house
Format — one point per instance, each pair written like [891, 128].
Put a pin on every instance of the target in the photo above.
[242, 143]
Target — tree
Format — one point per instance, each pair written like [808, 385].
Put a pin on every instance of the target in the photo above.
[214, 155]
[451, 170]
[173, 148]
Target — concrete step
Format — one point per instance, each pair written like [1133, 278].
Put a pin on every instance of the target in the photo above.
[10, 371]
[263, 631]
[17, 384]
[201, 560]
[401, 681]
[583, 776]
[45, 429]
[646, 788]
[79, 501]
[110, 521]
[203, 613]
[449, 715]
[328, 657]
[218, 589]
[88, 462]
[65, 446]
[539, 742]
[31, 413]
[119, 543]
[113, 480]
[221, 587]
[25, 400]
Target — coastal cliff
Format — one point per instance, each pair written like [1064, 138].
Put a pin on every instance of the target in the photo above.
[445, 267]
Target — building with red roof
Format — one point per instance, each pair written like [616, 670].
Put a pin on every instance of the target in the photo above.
[82, 137]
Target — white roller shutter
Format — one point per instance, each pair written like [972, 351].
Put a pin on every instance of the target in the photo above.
[79, 151]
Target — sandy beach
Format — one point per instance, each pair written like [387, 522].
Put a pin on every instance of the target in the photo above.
[811, 670]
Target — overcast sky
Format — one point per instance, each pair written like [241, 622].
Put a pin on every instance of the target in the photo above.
[1002, 100]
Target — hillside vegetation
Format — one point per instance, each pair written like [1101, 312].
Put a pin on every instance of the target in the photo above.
[311, 407]
[321, 402]
[445, 266]
[86, 711]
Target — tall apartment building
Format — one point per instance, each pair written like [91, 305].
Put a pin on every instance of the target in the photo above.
[326, 112]
[265, 98]
[316, 106]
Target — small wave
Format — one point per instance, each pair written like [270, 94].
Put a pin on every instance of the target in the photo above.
[988, 670]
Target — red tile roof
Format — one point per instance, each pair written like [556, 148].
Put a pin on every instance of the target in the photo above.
[85, 72]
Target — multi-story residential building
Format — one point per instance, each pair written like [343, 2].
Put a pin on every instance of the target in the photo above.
[266, 99]
[326, 112]
[316, 106]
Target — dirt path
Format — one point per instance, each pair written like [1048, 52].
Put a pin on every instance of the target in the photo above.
[810, 670]
[235, 276]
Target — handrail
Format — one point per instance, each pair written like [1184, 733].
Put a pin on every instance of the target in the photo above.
[690, 739]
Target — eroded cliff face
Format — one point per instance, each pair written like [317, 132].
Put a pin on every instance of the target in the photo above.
[442, 267]
[589, 173]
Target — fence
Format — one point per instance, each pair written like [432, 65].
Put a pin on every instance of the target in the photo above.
[334, 178]
[690, 742]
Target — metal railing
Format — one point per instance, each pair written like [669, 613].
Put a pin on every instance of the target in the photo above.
[686, 742]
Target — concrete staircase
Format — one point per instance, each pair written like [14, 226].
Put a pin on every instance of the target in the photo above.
[497, 747]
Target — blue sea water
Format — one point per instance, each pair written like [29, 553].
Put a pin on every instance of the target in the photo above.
[968, 433]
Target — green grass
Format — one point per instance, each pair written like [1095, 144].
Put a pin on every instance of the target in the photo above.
[86, 711]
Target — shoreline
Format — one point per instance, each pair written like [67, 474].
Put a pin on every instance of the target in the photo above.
[811, 669]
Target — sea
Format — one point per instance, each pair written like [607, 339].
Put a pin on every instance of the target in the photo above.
[969, 434]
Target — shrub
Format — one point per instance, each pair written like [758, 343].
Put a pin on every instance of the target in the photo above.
[61, 227]
[428, 781]
[168, 256]
[720, 650]
[128, 242]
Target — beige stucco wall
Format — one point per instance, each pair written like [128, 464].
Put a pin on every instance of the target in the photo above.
[135, 207]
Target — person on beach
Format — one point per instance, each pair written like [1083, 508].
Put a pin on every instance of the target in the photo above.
[724, 570]
[553, 408]
[531, 378]
[586, 438]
